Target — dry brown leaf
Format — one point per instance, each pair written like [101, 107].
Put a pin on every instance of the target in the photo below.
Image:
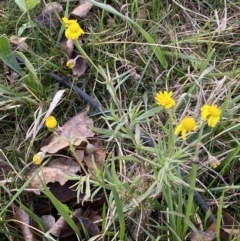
[208, 235]
[59, 171]
[65, 192]
[65, 164]
[80, 67]
[20, 42]
[55, 6]
[74, 132]
[12, 76]
[99, 153]
[49, 220]
[62, 229]
[82, 9]
[67, 45]
[48, 17]
[23, 221]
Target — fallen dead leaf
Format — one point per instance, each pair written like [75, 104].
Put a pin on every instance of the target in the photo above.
[48, 17]
[80, 67]
[67, 45]
[49, 220]
[42, 206]
[208, 235]
[82, 9]
[55, 6]
[99, 153]
[58, 171]
[62, 229]
[64, 193]
[23, 221]
[74, 132]
[12, 76]
[19, 42]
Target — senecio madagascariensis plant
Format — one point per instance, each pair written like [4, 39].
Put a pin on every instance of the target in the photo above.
[73, 30]
[51, 123]
[211, 114]
[186, 125]
[38, 158]
[165, 99]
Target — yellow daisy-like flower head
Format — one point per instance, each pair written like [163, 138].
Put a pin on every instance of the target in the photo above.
[211, 114]
[68, 22]
[73, 31]
[165, 99]
[71, 63]
[186, 125]
[51, 123]
[214, 162]
[38, 158]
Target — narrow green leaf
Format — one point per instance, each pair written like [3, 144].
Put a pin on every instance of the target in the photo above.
[32, 80]
[118, 206]
[7, 91]
[7, 56]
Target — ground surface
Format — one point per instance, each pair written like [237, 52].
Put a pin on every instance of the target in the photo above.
[118, 187]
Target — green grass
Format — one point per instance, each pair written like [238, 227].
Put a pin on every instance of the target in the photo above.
[134, 49]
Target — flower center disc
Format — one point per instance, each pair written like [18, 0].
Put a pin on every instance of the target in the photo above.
[188, 124]
[214, 111]
[74, 28]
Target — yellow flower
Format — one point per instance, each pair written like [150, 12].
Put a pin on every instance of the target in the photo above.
[186, 125]
[211, 114]
[73, 31]
[51, 123]
[68, 22]
[71, 63]
[214, 162]
[165, 99]
[38, 158]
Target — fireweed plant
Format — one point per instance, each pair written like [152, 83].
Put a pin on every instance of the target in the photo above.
[184, 136]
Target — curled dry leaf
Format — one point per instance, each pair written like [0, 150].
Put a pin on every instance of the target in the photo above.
[208, 235]
[79, 67]
[82, 9]
[57, 171]
[62, 229]
[23, 221]
[74, 132]
[19, 42]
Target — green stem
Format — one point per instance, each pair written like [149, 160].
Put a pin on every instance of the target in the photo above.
[192, 183]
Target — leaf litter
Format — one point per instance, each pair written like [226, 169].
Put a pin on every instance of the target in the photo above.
[57, 170]
[62, 229]
[23, 221]
[229, 228]
[74, 135]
